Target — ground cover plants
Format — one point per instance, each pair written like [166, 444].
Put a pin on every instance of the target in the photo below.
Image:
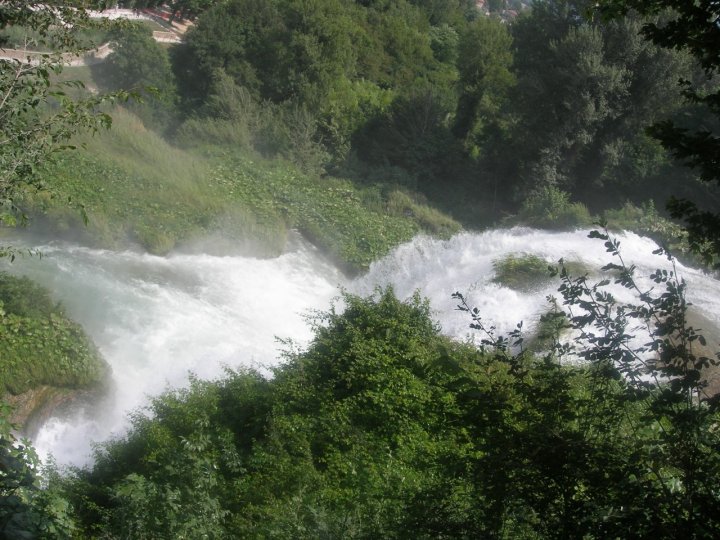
[134, 185]
[39, 344]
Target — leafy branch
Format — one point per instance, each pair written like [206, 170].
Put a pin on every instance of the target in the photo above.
[648, 350]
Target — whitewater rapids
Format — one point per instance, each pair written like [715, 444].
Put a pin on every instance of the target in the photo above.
[158, 319]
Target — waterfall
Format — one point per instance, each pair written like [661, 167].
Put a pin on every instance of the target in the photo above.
[157, 319]
[464, 263]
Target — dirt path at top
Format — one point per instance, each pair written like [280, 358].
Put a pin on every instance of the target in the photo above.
[173, 34]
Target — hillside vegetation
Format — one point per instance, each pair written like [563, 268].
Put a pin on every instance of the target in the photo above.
[383, 428]
[135, 186]
[355, 122]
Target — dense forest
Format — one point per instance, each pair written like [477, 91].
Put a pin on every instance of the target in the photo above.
[438, 97]
[362, 124]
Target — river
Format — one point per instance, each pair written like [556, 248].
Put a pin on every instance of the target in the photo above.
[158, 319]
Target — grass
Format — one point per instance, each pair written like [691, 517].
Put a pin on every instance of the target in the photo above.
[330, 212]
[134, 185]
[21, 37]
[521, 272]
[154, 26]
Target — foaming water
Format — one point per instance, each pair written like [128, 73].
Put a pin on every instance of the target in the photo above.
[156, 319]
[465, 264]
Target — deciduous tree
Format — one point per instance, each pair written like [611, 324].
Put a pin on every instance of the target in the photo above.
[690, 26]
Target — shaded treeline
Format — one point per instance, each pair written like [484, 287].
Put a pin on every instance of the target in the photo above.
[478, 114]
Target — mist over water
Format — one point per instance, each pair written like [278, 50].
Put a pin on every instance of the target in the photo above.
[156, 319]
[465, 264]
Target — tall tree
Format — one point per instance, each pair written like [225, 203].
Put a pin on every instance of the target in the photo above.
[690, 26]
[586, 89]
[278, 50]
[484, 62]
[140, 64]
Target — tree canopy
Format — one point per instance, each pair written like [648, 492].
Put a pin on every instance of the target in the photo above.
[690, 27]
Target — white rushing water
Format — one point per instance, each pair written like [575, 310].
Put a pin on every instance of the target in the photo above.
[155, 319]
[465, 264]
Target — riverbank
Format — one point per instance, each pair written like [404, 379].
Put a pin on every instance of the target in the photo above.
[134, 187]
[46, 359]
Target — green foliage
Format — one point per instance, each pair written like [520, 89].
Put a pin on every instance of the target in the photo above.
[25, 38]
[26, 509]
[187, 9]
[665, 375]
[335, 443]
[349, 223]
[37, 114]
[683, 26]
[22, 297]
[278, 50]
[476, 114]
[140, 65]
[134, 185]
[334, 81]
[137, 60]
[349, 107]
[550, 207]
[429, 219]
[484, 61]
[444, 41]
[384, 428]
[658, 384]
[413, 135]
[551, 328]
[587, 89]
[38, 344]
[522, 272]
[646, 220]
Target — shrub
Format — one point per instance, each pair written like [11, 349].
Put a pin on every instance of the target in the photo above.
[522, 272]
[38, 344]
[550, 208]
[430, 220]
[645, 219]
[551, 327]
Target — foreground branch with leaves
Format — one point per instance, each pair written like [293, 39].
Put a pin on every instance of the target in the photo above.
[654, 358]
[38, 113]
[38, 117]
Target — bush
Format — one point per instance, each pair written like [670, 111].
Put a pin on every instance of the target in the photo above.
[38, 344]
[646, 220]
[204, 132]
[550, 208]
[522, 272]
[229, 117]
[430, 220]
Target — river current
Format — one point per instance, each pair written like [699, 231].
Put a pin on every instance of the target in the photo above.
[158, 319]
